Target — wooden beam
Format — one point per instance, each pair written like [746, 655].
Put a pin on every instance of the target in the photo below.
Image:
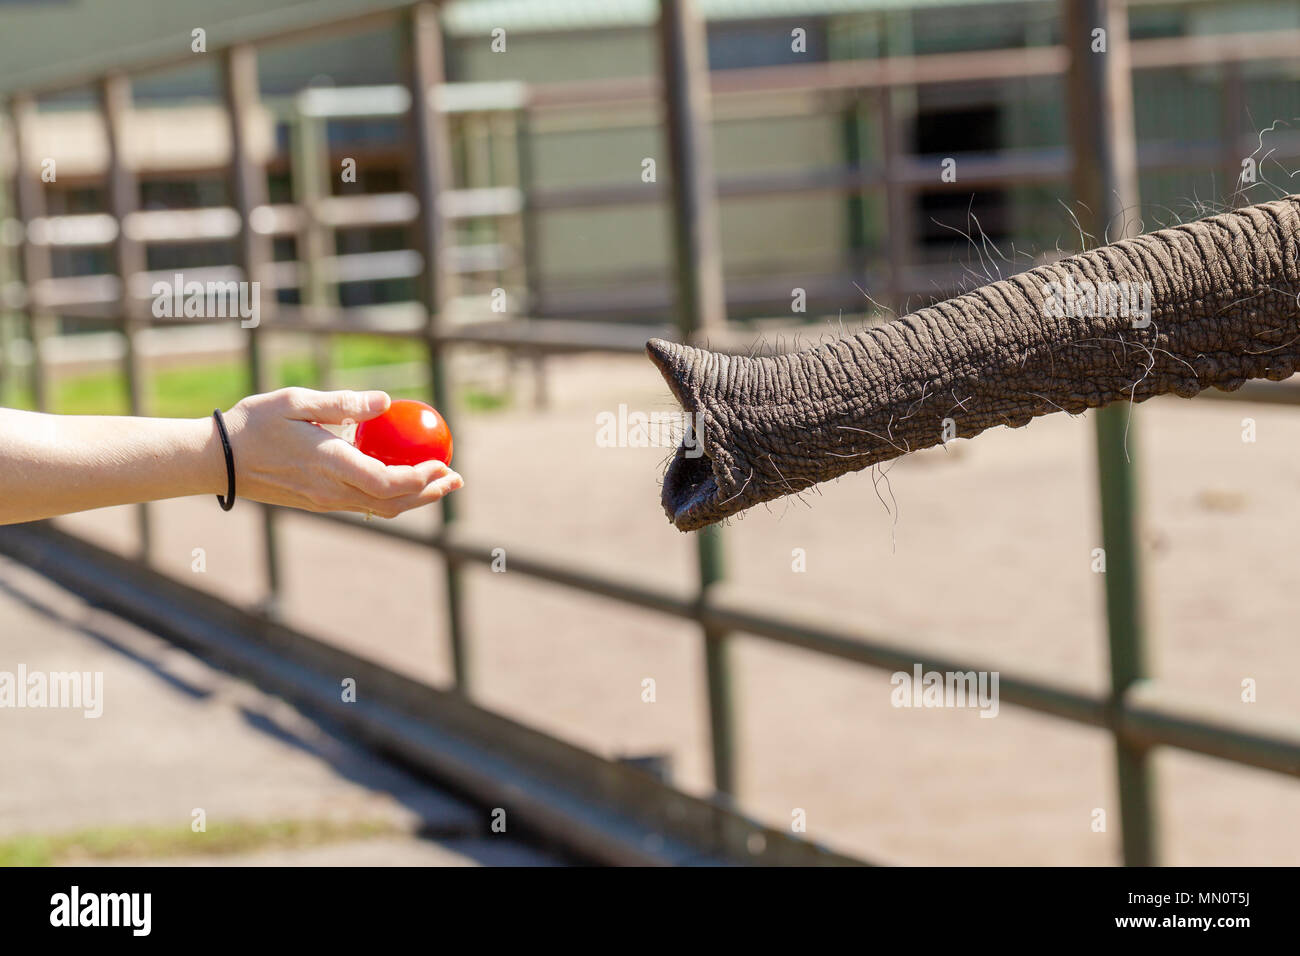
[701, 307]
[128, 261]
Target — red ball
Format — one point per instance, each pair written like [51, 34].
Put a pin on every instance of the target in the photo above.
[408, 433]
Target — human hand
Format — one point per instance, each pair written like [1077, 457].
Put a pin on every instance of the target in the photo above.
[283, 457]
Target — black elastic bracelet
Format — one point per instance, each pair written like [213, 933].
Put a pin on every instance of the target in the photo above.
[229, 501]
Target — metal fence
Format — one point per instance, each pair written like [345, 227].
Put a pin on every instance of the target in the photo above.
[1132, 712]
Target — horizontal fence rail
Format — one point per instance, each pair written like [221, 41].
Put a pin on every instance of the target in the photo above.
[1139, 716]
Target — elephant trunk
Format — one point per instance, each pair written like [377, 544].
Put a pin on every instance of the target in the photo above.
[1210, 303]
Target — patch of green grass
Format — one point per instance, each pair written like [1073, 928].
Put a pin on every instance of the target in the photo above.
[478, 400]
[174, 393]
[359, 351]
[124, 843]
[193, 391]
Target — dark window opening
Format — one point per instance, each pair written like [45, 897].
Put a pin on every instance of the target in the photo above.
[946, 217]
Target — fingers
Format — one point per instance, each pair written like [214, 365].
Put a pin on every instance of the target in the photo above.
[353, 481]
[436, 490]
[374, 479]
[332, 408]
[354, 499]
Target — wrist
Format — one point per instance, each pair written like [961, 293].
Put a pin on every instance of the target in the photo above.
[210, 474]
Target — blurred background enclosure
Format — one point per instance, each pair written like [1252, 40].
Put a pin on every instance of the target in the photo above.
[801, 155]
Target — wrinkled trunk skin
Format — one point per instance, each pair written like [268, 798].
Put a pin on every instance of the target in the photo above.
[1224, 309]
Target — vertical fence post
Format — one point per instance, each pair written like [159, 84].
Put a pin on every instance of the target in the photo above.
[128, 259]
[852, 130]
[9, 247]
[898, 196]
[432, 172]
[1105, 183]
[524, 231]
[7, 275]
[717, 667]
[1232, 109]
[253, 251]
[529, 236]
[701, 304]
[897, 106]
[29, 195]
[529, 225]
[309, 159]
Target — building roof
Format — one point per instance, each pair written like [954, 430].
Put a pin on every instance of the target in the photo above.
[481, 16]
[61, 42]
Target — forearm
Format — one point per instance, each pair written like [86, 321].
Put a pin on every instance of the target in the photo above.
[55, 464]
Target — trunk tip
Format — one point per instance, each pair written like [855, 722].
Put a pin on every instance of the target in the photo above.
[665, 355]
[677, 363]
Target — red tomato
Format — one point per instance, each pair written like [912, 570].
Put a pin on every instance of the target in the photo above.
[407, 434]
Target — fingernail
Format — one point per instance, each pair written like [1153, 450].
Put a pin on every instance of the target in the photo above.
[376, 401]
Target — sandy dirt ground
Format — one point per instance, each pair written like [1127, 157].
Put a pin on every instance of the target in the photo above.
[173, 736]
[984, 555]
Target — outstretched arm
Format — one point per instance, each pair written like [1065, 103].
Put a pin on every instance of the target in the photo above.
[55, 464]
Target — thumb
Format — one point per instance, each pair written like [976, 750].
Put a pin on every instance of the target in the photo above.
[336, 408]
